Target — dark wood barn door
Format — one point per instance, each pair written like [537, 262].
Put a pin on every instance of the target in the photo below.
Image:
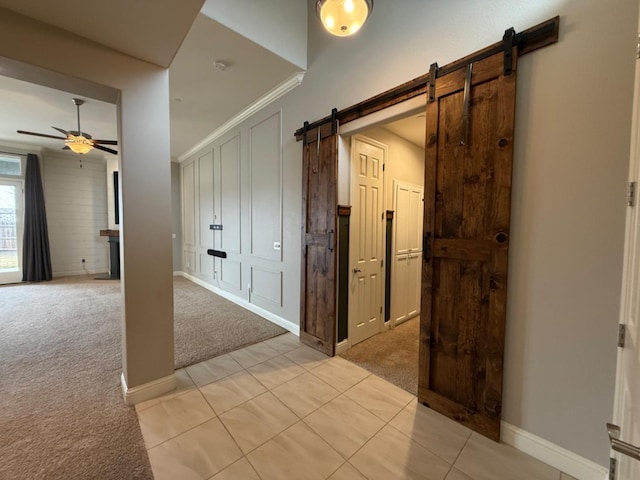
[319, 208]
[468, 158]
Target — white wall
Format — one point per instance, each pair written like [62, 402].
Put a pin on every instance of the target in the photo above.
[76, 202]
[572, 142]
[278, 25]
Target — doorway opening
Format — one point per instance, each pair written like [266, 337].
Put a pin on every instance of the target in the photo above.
[386, 191]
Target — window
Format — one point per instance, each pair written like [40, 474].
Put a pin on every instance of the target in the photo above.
[10, 165]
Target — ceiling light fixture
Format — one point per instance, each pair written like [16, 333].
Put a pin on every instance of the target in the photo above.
[78, 143]
[343, 17]
[220, 66]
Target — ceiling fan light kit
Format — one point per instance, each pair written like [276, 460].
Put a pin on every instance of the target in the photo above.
[76, 140]
[343, 17]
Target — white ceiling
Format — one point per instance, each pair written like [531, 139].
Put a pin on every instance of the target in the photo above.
[202, 98]
[412, 129]
[151, 30]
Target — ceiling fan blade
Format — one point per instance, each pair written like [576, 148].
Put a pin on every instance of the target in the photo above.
[64, 132]
[105, 149]
[41, 135]
[106, 142]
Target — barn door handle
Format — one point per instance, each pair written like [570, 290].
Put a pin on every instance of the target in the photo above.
[620, 446]
[331, 240]
[426, 247]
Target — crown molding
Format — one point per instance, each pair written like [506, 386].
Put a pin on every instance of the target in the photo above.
[270, 97]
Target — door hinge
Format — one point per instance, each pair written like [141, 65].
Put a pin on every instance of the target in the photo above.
[381, 263]
[622, 334]
[612, 468]
[631, 194]
[380, 309]
[383, 165]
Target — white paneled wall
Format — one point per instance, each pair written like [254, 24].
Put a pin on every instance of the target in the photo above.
[236, 183]
[76, 202]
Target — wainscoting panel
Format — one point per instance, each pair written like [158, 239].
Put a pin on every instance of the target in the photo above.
[230, 274]
[265, 159]
[188, 206]
[230, 214]
[266, 286]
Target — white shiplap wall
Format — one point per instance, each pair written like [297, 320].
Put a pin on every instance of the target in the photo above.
[76, 201]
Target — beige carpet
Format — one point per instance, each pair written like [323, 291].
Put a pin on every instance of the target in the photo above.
[61, 409]
[392, 355]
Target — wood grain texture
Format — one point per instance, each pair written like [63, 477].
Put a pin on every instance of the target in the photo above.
[319, 213]
[467, 214]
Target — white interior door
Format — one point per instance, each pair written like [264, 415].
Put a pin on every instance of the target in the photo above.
[626, 413]
[366, 291]
[407, 251]
[11, 224]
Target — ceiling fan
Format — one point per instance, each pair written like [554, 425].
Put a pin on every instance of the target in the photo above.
[77, 140]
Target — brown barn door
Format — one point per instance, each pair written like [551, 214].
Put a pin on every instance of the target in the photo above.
[319, 208]
[470, 119]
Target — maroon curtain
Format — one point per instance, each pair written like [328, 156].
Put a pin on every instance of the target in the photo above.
[36, 258]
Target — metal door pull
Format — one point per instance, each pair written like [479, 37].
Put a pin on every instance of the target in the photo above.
[620, 446]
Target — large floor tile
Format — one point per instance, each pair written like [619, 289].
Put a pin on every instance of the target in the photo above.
[173, 417]
[241, 470]
[197, 454]
[380, 397]
[484, 459]
[391, 455]
[276, 371]
[344, 424]
[254, 354]
[347, 472]
[284, 343]
[258, 420]
[232, 391]
[340, 374]
[184, 384]
[296, 453]
[307, 357]
[214, 369]
[434, 431]
[305, 393]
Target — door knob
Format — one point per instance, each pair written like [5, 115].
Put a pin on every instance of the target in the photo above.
[620, 446]
[356, 270]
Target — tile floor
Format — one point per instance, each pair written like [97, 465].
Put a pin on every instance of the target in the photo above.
[281, 410]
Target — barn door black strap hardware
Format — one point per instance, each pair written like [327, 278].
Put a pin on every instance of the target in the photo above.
[433, 74]
[334, 121]
[217, 253]
[305, 129]
[507, 43]
[465, 107]
[331, 240]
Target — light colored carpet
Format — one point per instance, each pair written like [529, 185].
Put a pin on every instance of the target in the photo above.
[392, 355]
[207, 325]
[61, 409]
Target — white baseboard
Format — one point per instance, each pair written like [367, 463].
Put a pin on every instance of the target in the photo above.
[147, 391]
[178, 273]
[342, 347]
[552, 454]
[272, 317]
